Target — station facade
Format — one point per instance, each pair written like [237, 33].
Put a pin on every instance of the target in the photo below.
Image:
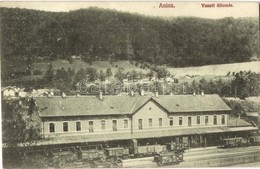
[200, 120]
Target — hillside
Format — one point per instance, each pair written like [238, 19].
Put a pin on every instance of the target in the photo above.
[109, 35]
[216, 70]
[77, 65]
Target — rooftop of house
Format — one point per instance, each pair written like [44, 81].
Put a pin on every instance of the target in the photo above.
[237, 122]
[125, 104]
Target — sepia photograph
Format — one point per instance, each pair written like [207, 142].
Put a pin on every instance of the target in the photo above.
[130, 84]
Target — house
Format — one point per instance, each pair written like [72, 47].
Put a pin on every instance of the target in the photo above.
[200, 120]
[9, 91]
[76, 57]
[254, 117]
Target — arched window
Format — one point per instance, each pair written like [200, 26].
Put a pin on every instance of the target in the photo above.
[198, 119]
[150, 122]
[180, 121]
[160, 122]
[103, 124]
[52, 127]
[78, 126]
[171, 121]
[223, 119]
[65, 127]
[215, 120]
[206, 120]
[125, 123]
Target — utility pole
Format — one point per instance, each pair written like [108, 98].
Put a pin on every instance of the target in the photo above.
[235, 92]
[183, 90]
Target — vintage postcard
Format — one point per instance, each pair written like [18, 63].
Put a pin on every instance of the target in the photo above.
[130, 84]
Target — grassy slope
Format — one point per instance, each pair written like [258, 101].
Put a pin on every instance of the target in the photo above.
[99, 65]
[217, 70]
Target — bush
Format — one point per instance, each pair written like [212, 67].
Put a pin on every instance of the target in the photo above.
[37, 72]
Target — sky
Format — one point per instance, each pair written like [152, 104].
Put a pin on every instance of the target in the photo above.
[239, 9]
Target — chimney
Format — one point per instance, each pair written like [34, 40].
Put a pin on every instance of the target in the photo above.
[142, 92]
[63, 94]
[100, 95]
[132, 93]
[202, 93]
[156, 94]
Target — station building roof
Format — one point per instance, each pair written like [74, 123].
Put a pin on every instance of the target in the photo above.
[125, 104]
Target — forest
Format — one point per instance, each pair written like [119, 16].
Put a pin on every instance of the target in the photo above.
[99, 34]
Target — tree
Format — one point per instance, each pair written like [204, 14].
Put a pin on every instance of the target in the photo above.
[194, 86]
[49, 75]
[150, 74]
[162, 72]
[203, 84]
[102, 76]
[120, 75]
[133, 74]
[80, 75]
[62, 76]
[109, 73]
[20, 131]
[245, 84]
[92, 73]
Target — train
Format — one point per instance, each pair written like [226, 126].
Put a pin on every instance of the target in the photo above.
[239, 142]
[109, 155]
[103, 155]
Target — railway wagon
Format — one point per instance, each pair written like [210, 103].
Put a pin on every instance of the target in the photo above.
[231, 142]
[91, 152]
[168, 158]
[254, 140]
[116, 152]
[149, 150]
[64, 155]
[176, 147]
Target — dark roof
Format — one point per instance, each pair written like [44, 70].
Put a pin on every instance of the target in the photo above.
[124, 104]
[83, 106]
[190, 103]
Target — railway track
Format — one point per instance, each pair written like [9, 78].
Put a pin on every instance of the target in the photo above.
[200, 156]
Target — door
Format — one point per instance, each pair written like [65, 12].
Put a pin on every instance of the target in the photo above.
[189, 121]
[114, 125]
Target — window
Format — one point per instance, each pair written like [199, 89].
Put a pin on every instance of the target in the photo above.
[65, 127]
[150, 122]
[52, 128]
[206, 120]
[215, 120]
[103, 125]
[160, 121]
[78, 126]
[189, 121]
[125, 123]
[171, 121]
[91, 124]
[180, 121]
[223, 120]
[140, 124]
[198, 119]
[114, 125]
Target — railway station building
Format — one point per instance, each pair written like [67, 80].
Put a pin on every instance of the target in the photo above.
[199, 120]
